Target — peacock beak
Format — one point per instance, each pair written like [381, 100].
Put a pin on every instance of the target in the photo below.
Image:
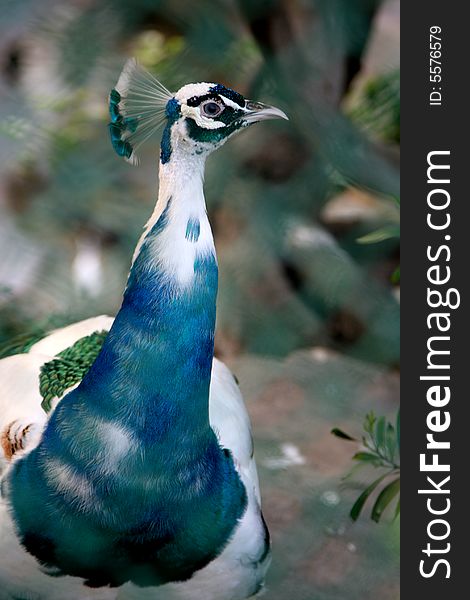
[257, 111]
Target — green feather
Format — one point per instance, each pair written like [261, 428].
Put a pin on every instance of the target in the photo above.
[69, 367]
[22, 343]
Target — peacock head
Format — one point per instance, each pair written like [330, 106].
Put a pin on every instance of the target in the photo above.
[197, 119]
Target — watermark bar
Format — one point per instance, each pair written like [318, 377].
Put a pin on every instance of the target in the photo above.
[435, 202]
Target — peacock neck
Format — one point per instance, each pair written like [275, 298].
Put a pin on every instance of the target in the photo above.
[157, 358]
[128, 459]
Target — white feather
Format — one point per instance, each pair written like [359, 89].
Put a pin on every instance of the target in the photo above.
[133, 76]
[194, 112]
[144, 100]
[180, 184]
[20, 403]
[60, 339]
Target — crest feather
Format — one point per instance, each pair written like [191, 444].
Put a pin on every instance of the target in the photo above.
[137, 109]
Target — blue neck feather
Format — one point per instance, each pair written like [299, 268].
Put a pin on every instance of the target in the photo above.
[162, 346]
[169, 503]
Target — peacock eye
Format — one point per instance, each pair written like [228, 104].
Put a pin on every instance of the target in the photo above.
[211, 108]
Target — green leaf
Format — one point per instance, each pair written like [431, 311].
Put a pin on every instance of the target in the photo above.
[359, 504]
[395, 277]
[385, 497]
[397, 510]
[341, 434]
[397, 430]
[380, 235]
[355, 469]
[367, 457]
[369, 422]
[390, 442]
[380, 433]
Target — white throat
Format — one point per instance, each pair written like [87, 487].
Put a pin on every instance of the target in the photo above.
[187, 234]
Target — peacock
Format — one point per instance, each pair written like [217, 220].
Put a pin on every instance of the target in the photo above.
[126, 461]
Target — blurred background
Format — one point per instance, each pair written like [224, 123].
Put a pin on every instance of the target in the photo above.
[305, 215]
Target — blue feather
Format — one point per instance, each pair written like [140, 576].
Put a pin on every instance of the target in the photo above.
[193, 229]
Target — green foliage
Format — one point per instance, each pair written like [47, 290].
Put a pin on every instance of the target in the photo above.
[378, 109]
[395, 278]
[381, 444]
[384, 233]
[387, 232]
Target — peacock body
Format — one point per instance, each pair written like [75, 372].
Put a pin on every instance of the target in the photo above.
[127, 459]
